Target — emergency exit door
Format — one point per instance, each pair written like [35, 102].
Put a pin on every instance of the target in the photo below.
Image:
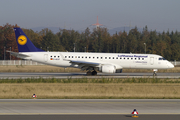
[45, 57]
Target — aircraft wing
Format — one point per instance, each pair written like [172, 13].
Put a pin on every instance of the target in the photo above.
[20, 55]
[83, 64]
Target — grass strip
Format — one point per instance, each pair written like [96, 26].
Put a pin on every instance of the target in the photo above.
[90, 90]
[91, 80]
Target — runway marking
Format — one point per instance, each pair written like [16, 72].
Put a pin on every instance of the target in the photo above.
[87, 114]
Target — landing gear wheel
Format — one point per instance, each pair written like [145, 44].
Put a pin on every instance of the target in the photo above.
[89, 73]
[154, 74]
[94, 72]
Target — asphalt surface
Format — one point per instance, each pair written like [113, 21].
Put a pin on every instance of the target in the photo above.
[89, 106]
[89, 109]
[83, 75]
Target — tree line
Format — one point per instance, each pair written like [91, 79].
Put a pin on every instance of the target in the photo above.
[166, 44]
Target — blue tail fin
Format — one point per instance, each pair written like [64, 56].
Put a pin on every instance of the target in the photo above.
[23, 42]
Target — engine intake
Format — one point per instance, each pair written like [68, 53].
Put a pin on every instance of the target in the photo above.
[108, 69]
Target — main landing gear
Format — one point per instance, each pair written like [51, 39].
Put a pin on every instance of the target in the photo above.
[155, 72]
[91, 72]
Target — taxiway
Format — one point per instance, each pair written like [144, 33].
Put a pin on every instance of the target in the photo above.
[88, 106]
[88, 109]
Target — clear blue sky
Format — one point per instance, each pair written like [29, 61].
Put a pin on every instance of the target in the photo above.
[79, 14]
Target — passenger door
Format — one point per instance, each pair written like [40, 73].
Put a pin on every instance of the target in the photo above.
[151, 60]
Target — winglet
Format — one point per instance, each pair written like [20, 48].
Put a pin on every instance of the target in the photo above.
[23, 42]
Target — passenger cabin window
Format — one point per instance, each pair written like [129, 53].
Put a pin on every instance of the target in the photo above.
[116, 57]
[65, 56]
[78, 56]
[105, 57]
[89, 57]
[54, 56]
[69, 56]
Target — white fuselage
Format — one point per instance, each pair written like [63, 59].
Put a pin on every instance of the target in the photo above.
[120, 60]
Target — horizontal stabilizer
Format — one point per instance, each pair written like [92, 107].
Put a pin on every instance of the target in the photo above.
[20, 55]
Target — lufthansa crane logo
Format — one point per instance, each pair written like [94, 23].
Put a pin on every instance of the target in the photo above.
[22, 40]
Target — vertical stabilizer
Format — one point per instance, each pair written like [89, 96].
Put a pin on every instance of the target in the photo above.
[23, 42]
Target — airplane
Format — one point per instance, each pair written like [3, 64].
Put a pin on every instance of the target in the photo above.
[91, 62]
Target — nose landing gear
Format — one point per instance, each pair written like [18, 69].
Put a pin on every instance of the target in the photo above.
[155, 72]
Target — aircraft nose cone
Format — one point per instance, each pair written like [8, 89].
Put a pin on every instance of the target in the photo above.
[170, 65]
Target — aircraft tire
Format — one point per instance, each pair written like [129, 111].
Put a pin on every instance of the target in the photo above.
[94, 72]
[89, 73]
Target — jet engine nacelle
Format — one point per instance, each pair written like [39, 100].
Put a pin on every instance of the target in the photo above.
[108, 69]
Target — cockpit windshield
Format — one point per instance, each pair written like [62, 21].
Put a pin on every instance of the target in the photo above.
[162, 59]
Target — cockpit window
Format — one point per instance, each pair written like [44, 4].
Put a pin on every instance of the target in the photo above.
[162, 59]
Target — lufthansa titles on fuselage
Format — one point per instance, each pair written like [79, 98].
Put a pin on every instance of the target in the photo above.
[137, 56]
